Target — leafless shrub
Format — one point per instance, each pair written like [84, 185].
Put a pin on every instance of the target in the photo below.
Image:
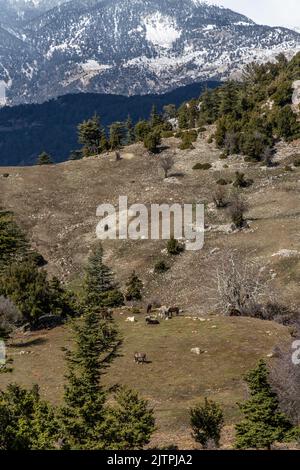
[231, 142]
[243, 289]
[166, 163]
[267, 157]
[219, 197]
[279, 312]
[9, 316]
[285, 380]
[237, 209]
[239, 287]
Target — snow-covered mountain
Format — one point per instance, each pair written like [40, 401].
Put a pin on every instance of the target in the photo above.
[126, 46]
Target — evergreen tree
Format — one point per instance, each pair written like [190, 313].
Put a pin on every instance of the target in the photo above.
[183, 118]
[26, 422]
[90, 133]
[141, 130]
[63, 302]
[13, 243]
[130, 139]
[134, 288]
[44, 159]
[155, 119]
[263, 422]
[152, 142]
[287, 124]
[83, 415]
[101, 290]
[27, 287]
[130, 423]
[104, 143]
[207, 421]
[117, 135]
[228, 99]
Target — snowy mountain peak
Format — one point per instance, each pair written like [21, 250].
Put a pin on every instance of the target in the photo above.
[51, 47]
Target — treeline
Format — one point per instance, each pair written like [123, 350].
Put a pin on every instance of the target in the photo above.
[27, 130]
[250, 115]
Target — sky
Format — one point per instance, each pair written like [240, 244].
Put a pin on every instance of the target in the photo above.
[271, 12]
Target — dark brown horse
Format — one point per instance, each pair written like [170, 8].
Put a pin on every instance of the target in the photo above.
[149, 308]
[173, 310]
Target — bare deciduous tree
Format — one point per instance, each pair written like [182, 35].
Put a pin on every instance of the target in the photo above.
[285, 380]
[267, 157]
[166, 163]
[237, 209]
[9, 316]
[219, 197]
[239, 287]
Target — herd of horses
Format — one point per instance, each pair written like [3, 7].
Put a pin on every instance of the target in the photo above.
[163, 312]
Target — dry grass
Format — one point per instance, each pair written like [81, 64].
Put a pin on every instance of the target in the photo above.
[174, 379]
[57, 207]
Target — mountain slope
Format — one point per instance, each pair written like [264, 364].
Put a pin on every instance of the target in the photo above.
[137, 47]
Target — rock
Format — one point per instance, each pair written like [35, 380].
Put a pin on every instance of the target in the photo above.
[172, 180]
[286, 253]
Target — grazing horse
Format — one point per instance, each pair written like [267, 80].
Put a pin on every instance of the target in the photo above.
[140, 358]
[149, 308]
[163, 312]
[174, 310]
[152, 321]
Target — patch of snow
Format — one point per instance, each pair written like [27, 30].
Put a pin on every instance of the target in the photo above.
[209, 27]
[242, 23]
[161, 30]
[93, 66]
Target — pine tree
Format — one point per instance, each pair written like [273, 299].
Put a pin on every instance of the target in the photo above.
[130, 131]
[207, 421]
[130, 422]
[152, 142]
[89, 135]
[101, 290]
[44, 159]
[83, 415]
[103, 144]
[141, 130]
[117, 135]
[26, 422]
[263, 422]
[134, 288]
[183, 118]
[13, 243]
[155, 119]
[28, 288]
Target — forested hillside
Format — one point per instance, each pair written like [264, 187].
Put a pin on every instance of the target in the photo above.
[27, 130]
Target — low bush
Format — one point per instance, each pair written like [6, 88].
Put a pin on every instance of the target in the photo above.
[161, 267]
[202, 166]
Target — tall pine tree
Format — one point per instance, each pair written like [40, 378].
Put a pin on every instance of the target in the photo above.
[83, 415]
[263, 422]
[100, 287]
